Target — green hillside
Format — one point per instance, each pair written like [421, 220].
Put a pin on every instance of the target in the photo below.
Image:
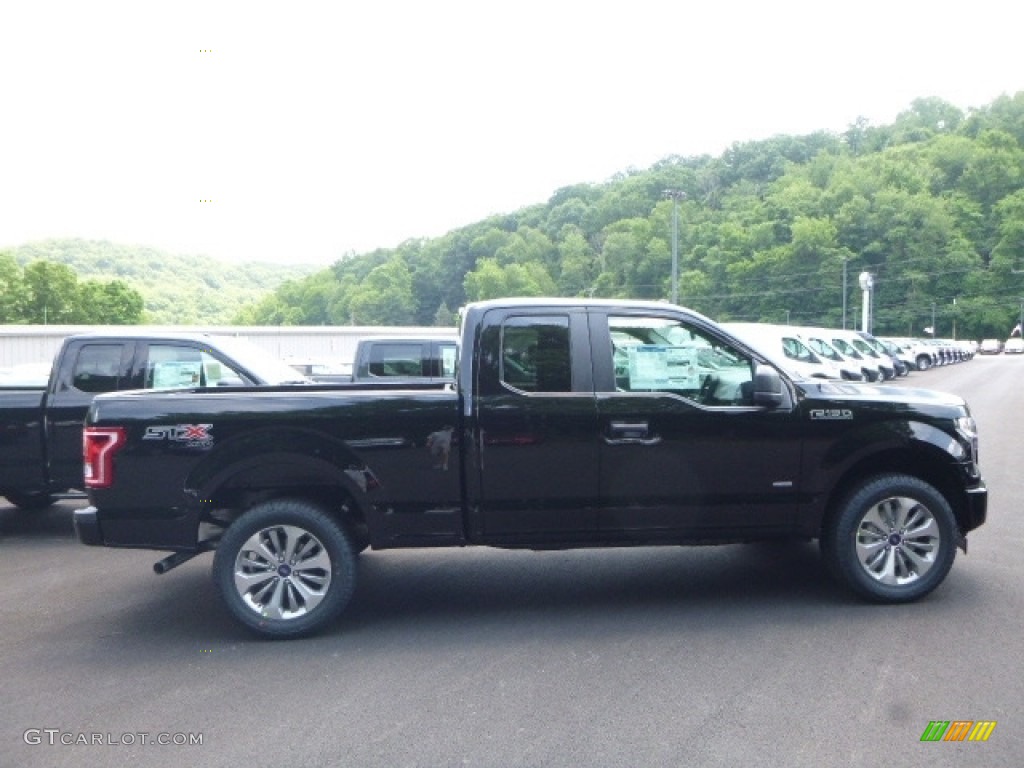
[931, 205]
[176, 288]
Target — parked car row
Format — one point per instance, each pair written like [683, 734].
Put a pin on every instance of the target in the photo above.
[849, 355]
[1012, 346]
[927, 353]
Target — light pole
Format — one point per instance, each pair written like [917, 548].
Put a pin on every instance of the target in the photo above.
[844, 293]
[676, 195]
[867, 283]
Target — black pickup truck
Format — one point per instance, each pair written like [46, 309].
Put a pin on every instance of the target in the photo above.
[41, 427]
[572, 424]
[386, 362]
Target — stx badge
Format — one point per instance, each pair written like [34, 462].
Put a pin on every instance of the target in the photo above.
[191, 435]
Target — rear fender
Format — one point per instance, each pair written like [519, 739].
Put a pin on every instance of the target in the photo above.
[302, 462]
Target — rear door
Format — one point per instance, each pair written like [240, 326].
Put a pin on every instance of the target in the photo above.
[536, 450]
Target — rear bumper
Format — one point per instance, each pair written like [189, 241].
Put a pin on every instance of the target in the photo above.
[87, 527]
[156, 528]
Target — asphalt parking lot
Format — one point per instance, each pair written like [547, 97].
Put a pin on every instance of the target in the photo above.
[742, 655]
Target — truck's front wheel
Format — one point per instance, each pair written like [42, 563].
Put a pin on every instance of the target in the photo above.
[285, 568]
[892, 540]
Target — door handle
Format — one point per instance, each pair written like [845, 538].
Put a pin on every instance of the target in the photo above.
[630, 433]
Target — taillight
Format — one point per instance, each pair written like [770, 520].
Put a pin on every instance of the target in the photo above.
[99, 444]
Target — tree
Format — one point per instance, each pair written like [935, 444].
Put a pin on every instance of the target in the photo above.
[51, 292]
[492, 281]
[444, 317]
[385, 297]
[110, 303]
[12, 290]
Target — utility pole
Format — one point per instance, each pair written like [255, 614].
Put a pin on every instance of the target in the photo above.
[867, 283]
[676, 195]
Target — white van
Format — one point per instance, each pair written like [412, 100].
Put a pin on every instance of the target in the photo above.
[819, 344]
[850, 344]
[785, 348]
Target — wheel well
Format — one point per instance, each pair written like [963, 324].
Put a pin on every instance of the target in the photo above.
[927, 464]
[239, 494]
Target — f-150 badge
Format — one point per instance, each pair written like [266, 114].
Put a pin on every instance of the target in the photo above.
[191, 435]
[831, 414]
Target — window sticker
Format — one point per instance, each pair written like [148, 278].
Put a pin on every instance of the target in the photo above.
[655, 366]
[171, 374]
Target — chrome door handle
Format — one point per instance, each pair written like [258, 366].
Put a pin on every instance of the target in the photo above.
[630, 433]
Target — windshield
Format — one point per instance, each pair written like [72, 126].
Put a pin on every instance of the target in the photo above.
[877, 346]
[864, 348]
[796, 350]
[846, 349]
[261, 363]
[824, 350]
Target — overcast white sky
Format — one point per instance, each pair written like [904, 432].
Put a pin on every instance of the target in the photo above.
[299, 131]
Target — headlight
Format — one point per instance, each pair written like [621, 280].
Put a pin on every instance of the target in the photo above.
[968, 429]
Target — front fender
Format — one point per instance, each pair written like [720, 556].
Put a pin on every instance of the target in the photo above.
[855, 445]
[913, 447]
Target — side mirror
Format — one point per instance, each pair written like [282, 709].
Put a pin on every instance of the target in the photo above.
[767, 387]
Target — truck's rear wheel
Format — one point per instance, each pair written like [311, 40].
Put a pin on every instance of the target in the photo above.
[285, 568]
[892, 540]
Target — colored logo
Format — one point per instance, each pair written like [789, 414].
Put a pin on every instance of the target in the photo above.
[958, 730]
[190, 435]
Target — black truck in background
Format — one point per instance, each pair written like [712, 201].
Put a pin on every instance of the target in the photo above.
[571, 424]
[41, 427]
[390, 361]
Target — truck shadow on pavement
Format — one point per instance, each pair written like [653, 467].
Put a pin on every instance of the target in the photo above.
[485, 583]
[481, 588]
[51, 522]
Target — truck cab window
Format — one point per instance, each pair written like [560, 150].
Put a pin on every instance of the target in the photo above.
[449, 354]
[97, 368]
[396, 360]
[170, 366]
[535, 354]
[655, 354]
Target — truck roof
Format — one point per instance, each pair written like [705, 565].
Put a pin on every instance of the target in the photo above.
[136, 333]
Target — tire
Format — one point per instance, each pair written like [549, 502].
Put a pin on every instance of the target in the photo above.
[892, 540]
[285, 569]
[923, 362]
[31, 502]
